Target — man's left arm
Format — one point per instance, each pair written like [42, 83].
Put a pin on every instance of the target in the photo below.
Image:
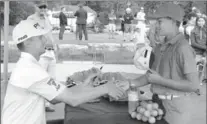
[186, 61]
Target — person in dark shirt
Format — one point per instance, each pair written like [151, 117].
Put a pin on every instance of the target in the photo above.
[63, 23]
[198, 42]
[198, 37]
[81, 22]
[128, 17]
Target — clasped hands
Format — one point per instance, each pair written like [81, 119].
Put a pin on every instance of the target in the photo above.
[115, 89]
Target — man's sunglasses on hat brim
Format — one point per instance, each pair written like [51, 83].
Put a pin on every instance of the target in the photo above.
[43, 7]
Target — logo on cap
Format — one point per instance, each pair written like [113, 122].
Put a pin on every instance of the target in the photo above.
[22, 38]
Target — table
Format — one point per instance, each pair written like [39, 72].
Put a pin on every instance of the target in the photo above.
[103, 112]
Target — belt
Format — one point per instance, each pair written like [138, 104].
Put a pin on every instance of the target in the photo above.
[168, 97]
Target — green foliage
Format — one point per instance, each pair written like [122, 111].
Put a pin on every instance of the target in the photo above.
[18, 11]
[21, 10]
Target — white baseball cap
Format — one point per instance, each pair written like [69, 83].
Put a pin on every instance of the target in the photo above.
[27, 29]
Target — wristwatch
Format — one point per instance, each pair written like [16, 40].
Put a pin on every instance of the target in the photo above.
[70, 83]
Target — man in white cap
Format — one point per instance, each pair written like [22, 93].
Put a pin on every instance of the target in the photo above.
[30, 84]
[141, 23]
[173, 77]
[48, 59]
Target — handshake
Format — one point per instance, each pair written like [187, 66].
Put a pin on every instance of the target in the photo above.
[115, 89]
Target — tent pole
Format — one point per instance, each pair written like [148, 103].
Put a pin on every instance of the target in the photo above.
[6, 40]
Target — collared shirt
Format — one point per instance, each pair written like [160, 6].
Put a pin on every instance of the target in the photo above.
[27, 90]
[82, 16]
[198, 36]
[141, 16]
[112, 18]
[173, 60]
[63, 19]
[128, 18]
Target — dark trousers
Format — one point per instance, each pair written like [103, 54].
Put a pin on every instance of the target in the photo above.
[62, 30]
[82, 28]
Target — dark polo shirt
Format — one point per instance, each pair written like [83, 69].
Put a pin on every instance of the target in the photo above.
[173, 60]
[128, 18]
[198, 40]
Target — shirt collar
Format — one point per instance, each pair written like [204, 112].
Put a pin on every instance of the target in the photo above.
[178, 37]
[29, 57]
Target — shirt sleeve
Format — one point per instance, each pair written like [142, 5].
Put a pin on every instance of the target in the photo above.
[47, 88]
[187, 59]
[37, 80]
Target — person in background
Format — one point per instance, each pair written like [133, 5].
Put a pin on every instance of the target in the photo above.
[63, 22]
[141, 18]
[198, 42]
[153, 34]
[81, 22]
[112, 25]
[48, 59]
[122, 25]
[141, 24]
[190, 26]
[128, 17]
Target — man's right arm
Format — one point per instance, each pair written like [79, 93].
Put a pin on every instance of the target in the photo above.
[79, 94]
[55, 91]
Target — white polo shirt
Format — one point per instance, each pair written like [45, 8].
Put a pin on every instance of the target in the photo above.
[141, 16]
[27, 90]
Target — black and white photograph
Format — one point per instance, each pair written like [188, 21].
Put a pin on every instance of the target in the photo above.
[103, 61]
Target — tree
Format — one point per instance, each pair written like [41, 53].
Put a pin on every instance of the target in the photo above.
[18, 11]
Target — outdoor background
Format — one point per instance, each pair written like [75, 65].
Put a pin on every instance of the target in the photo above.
[85, 52]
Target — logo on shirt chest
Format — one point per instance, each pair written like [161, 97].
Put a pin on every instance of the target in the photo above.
[37, 25]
